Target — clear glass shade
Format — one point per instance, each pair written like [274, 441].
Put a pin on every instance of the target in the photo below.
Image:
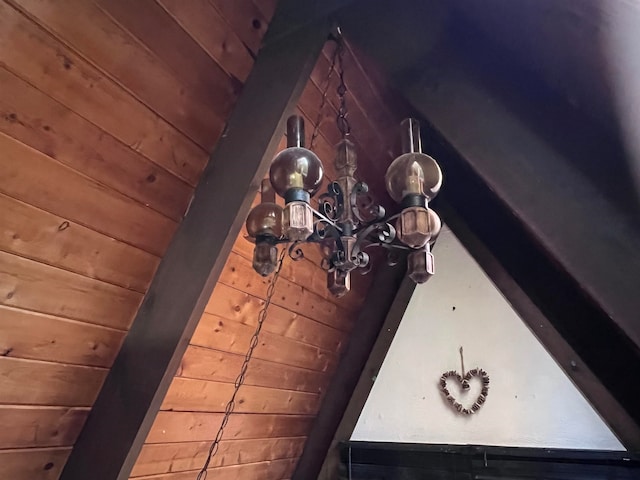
[296, 167]
[413, 173]
[297, 221]
[265, 219]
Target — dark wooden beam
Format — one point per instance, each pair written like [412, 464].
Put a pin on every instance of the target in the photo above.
[539, 184]
[294, 14]
[368, 375]
[531, 152]
[406, 461]
[136, 385]
[385, 304]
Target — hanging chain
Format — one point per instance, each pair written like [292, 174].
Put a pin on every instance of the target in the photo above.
[345, 129]
[341, 119]
[325, 92]
[262, 315]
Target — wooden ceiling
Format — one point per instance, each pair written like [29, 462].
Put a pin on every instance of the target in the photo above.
[108, 110]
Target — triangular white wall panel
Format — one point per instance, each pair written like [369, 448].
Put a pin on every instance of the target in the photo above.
[531, 402]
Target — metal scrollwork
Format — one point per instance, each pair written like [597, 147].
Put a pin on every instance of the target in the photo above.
[365, 269]
[377, 233]
[393, 258]
[363, 206]
[325, 264]
[361, 259]
[332, 202]
[295, 252]
[323, 230]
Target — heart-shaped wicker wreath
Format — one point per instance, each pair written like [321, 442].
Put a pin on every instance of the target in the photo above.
[464, 382]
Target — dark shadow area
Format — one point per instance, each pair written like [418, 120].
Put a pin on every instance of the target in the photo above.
[593, 145]
[402, 461]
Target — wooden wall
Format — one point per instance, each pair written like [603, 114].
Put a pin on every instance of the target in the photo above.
[107, 113]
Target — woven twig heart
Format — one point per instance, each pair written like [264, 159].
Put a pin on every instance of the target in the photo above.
[464, 382]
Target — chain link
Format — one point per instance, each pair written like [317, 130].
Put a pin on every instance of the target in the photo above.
[345, 129]
[262, 315]
[325, 91]
[341, 119]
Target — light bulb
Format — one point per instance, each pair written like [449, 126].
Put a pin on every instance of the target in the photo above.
[296, 167]
[413, 174]
[265, 219]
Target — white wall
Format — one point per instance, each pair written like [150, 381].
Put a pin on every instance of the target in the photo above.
[531, 402]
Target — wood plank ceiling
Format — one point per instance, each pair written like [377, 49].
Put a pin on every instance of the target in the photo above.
[108, 110]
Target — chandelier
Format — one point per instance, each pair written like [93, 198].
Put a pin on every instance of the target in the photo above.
[346, 223]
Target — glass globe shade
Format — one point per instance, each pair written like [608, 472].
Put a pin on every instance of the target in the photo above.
[265, 219]
[436, 226]
[296, 167]
[413, 173]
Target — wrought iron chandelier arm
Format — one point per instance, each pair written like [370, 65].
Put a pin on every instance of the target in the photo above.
[332, 202]
[370, 212]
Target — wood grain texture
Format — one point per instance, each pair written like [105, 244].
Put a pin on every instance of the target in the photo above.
[40, 122]
[65, 76]
[232, 304]
[172, 427]
[104, 43]
[246, 20]
[177, 457]
[239, 274]
[256, 471]
[216, 37]
[106, 113]
[30, 382]
[38, 235]
[190, 395]
[313, 275]
[37, 179]
[227, 335]
[308, 274]
[27, 426]
[194, 262]
[159, 32]
[214, 365]
[33, 463]
[34, 286]
[36, 336]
